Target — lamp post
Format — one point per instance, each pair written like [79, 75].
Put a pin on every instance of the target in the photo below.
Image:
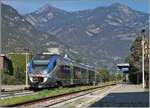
[72, 73]
[0, 47]
[143, 76]
[116, 75]
[95, 75]
[87, 75]
[26, 51]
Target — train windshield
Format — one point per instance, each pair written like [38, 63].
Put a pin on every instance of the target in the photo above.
[39, 66]
[43, 63]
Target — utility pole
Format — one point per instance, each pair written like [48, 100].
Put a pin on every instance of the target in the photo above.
[0, 47]
[26, 69]
[116, 74]
[149, 47]
[87, 75]
[0, 83]
[26, 52]
[143, 41]
[95, 75]
[72, 73]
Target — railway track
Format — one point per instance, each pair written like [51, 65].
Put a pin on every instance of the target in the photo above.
[52, 100]
[11, 94]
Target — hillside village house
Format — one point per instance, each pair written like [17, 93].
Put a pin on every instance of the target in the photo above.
[4, 61]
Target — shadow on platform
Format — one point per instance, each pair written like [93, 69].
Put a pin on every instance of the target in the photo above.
[127, 99]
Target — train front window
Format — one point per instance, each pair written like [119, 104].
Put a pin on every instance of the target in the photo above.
[39, 65]
[43, 63]
[39, 68]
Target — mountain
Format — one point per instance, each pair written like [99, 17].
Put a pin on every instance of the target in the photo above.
[46, 17]
[102, 35]
[99, 37]
[17, 33]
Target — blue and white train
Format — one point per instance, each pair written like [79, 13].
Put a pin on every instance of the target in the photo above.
[46, 71]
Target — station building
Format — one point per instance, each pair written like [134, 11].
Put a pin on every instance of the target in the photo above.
[4, 62]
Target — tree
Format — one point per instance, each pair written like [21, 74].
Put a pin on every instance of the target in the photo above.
[135, 61]
[112, 76]
[103, 74]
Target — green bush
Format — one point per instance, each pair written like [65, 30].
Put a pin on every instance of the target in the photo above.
[103, 74]
[6, 77]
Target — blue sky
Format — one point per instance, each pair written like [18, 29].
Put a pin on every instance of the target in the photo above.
[27, 6]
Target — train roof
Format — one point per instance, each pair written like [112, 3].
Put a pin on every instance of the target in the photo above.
[42, 56]
[67, 61]
[77, 64]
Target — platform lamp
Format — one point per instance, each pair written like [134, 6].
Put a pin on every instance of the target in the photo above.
[96, 72]
[143, 41]
[26, 51]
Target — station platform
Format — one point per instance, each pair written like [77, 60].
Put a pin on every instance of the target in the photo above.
[124, 95]
[13, 87]
[119, 95]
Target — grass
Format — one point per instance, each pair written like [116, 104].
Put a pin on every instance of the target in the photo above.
[40, 95]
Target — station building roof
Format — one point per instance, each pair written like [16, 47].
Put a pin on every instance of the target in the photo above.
[123, 64]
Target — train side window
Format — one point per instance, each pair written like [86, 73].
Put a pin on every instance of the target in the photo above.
[66, 71]
[75, 73]
[63, 71]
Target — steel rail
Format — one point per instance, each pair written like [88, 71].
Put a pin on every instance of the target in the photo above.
[83, 92]
[12, 94]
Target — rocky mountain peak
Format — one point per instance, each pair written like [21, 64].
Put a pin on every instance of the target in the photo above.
[46, 8]
[120, 7]
[8, 9]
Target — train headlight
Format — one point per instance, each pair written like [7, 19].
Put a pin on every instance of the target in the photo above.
[45, 79]
[31, 79]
